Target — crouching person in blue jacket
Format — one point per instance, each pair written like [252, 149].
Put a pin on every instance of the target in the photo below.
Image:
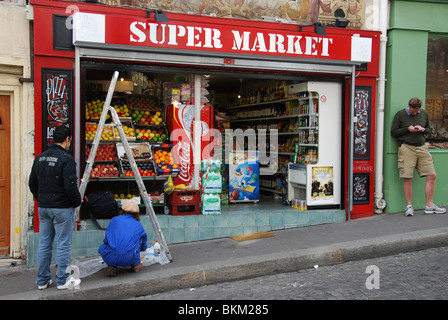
[124, 239]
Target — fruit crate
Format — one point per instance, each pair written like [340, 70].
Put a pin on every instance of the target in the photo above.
[159, 153]
[128, 128]
[146, 169]
[105, 152]
[105, 169]
[148, 117]
[140, 151]
[94, 107]
[151, 134]
[141, 101]
[91, 128]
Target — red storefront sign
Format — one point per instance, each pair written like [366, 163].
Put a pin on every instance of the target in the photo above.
[233, 39]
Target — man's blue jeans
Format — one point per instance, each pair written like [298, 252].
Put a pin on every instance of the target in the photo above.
[55, 223]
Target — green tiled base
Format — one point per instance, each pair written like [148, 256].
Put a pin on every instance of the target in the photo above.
[235, 219]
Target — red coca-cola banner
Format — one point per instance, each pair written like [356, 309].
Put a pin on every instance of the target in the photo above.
[180, 123]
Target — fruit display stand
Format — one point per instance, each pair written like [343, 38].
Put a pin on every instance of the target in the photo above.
[149, 126]
[111, 170]
[148, 117]
[163, 161]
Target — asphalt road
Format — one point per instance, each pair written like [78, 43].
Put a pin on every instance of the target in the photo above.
[421, 275]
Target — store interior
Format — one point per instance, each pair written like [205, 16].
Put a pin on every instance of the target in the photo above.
[246, 100]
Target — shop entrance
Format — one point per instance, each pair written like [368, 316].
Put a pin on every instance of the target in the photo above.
[246, 101]
[5, 171]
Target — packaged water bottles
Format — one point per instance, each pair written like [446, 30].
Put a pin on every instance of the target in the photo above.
[211, 203]
[211, 165]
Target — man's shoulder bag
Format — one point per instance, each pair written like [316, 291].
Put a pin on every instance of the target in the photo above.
[100, 205]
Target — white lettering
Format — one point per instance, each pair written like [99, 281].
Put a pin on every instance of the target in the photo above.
[210, 38]
[137, 32]
[325, 42]
[294, 45]
[183, 154]
[259, 43]
[153, 33]
[238, 40]
[311, 45]
[276, 43]
[192, 36]
[195, 310]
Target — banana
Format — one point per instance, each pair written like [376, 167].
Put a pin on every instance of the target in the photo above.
[181, 187]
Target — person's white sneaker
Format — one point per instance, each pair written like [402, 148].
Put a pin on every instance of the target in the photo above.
[45, 286]
[71, 283]
[409, 211]
[434, 209]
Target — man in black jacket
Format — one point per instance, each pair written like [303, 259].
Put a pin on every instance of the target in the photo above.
[54, 184]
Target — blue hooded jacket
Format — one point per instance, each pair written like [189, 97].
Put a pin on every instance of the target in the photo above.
[124, 239]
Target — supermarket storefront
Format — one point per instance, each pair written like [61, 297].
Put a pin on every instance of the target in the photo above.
[131, 40]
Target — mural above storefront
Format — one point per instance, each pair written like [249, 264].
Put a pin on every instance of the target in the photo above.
[287, 11]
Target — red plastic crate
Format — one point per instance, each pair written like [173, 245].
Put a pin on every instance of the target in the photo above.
[184, 210]
[184, 197]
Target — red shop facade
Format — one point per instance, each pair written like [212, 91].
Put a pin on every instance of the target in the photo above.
[68, 34]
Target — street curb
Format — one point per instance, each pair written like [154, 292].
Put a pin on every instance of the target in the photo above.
[251, 267]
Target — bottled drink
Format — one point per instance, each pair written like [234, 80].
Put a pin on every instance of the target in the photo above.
[156, 249]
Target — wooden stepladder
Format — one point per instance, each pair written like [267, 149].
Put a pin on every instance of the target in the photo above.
[141, 186]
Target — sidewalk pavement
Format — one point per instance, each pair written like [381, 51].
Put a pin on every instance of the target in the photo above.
[212, 261]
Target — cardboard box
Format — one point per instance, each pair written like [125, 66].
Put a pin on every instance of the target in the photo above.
[121, 202]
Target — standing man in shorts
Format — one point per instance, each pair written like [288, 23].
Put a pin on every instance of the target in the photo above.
[409, 127]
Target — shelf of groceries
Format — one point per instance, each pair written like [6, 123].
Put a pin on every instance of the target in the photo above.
[142, 119]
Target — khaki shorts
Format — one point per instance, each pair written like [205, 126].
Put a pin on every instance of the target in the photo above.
[410, 158]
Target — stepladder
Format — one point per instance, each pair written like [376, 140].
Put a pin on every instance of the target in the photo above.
[107, 109]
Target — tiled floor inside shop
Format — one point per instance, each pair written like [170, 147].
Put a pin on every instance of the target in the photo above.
[235, 219]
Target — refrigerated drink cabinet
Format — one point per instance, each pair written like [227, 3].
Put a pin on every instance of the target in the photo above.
[315, 175]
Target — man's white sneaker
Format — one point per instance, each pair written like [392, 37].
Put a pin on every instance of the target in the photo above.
[409, 211]
[71, 283]
[45, 286]
[434, 209]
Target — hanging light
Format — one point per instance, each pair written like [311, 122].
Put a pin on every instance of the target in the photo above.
[159, 16]
[319, 29]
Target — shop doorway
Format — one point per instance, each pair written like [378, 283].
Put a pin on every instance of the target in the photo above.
[5, 169]
[244, 101]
